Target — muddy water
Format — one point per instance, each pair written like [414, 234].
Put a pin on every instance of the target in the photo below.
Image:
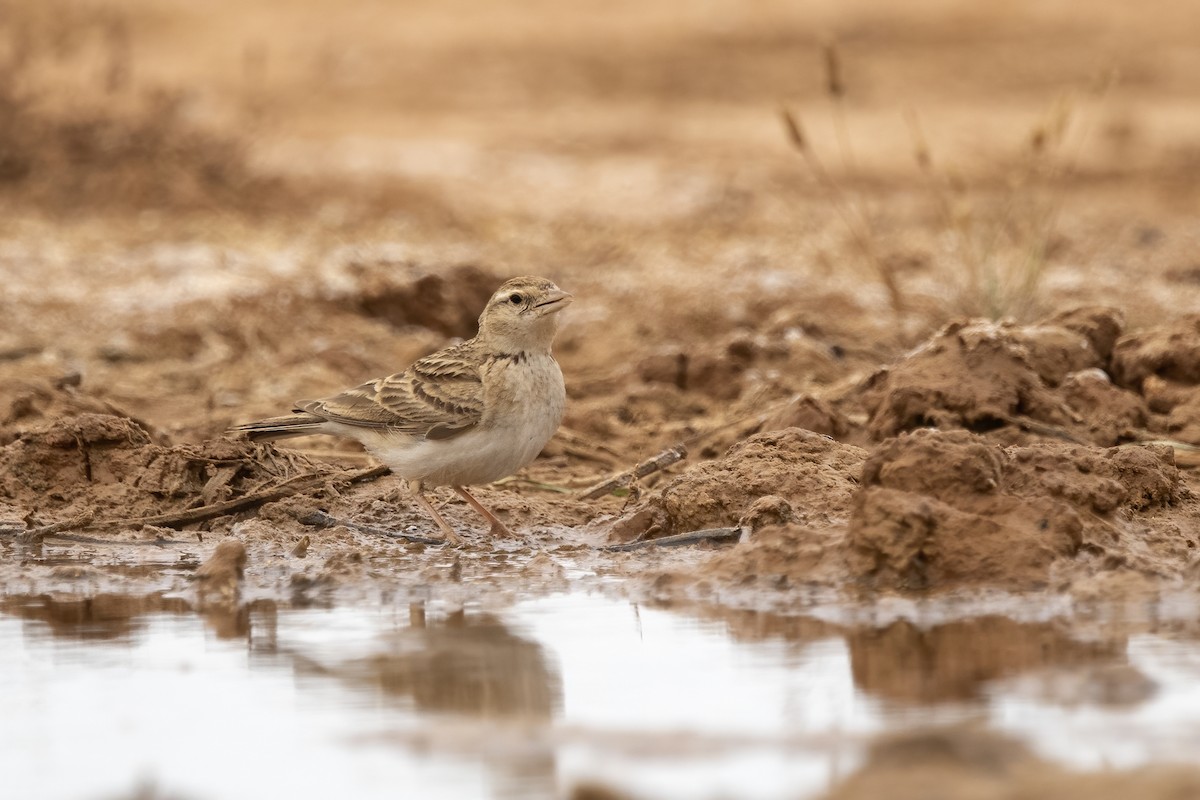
[108, 697]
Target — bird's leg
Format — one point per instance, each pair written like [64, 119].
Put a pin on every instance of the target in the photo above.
[498, 527]
[451, 536]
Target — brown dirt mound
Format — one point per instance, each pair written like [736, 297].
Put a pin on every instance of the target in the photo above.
[982, 375]
[942, 508]
[810, 475]
[1163, 364]
[945, 509]
[1183, 423]
[109, 466]
[1171, 354]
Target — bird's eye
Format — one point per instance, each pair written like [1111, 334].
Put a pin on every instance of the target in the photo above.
[515, 299]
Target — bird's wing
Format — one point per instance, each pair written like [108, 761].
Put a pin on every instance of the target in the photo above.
[439, 396]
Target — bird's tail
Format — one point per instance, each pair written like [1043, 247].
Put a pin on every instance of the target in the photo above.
[266, 430]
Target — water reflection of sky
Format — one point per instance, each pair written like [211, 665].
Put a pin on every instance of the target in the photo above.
[534, 699]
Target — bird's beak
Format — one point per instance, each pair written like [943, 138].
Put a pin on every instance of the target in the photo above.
[556, 300]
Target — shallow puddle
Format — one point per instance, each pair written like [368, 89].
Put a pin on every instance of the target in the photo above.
[115, 695]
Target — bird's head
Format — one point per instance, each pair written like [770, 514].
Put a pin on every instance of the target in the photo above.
[522, 315]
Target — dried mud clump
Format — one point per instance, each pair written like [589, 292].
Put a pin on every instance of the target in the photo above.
[812, 474]
[110, 466]
[981, 376]
[1171, 354]
[939, 509]
[1164, 366]
[1102, 412]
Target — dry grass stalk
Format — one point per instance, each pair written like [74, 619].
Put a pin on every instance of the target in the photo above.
[1005, 246]
[853, 216]
[835, 89]
[834, 85]
[850, 206]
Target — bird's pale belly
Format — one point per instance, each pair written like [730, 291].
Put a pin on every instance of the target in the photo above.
[526, 412]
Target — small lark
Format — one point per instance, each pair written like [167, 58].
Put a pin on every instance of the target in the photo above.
[471, 413]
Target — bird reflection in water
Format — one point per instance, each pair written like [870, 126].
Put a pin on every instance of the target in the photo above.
[464, 663]
[472, 664]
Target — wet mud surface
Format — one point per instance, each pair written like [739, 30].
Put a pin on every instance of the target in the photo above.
[934, 361]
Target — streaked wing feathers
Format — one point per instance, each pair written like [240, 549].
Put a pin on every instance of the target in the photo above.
[439, 396]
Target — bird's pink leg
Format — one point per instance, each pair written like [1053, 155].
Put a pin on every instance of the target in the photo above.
[498, 527]
[451, 536]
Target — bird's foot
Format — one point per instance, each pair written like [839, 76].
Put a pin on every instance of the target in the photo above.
[451, 538]
[501, 531]
[498, 530]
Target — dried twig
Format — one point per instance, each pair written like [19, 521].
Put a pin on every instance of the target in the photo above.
[691, 537]
[81, 539]
[661, 461]
[37, 534]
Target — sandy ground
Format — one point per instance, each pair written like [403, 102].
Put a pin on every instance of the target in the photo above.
[940, 337]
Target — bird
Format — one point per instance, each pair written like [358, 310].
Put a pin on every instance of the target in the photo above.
[469, 414]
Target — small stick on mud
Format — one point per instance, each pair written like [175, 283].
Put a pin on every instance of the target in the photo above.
[661, 461]
[34, 535]
[691, 537]
[81, 539]
[319, 519]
